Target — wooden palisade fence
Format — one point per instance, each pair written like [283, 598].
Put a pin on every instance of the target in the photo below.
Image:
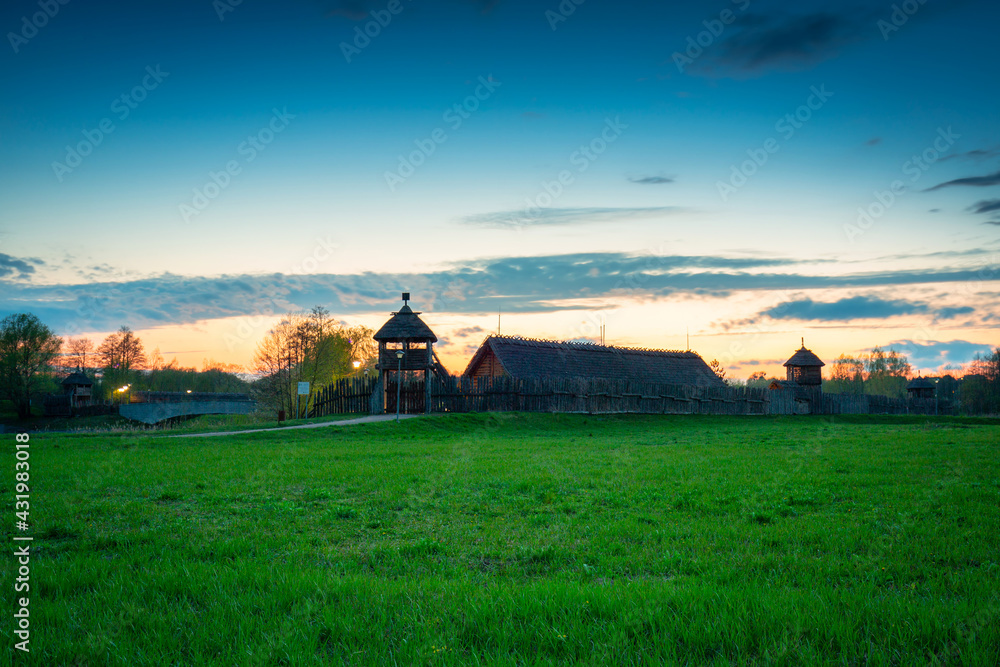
[594, 396]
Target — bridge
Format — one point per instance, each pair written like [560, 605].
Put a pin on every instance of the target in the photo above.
[151, 407]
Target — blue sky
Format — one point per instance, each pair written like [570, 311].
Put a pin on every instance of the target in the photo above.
[810, 169]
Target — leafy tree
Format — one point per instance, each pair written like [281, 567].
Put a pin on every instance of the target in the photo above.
[312, 348]
[886, 373]
[981, 385]
[847, 376]
[758, 380]
[27, 350]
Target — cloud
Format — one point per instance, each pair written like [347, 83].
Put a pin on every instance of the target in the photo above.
[948, 313]
[852, 308]
[858, 308]
[974, 181]
[466, 332]
[12, 267]
[355, 10]
[653, 180]
[940, 355]
[784, 43]
[874, 141]
[543, 284]
[976, 154]
[563, 216]
[985, 206]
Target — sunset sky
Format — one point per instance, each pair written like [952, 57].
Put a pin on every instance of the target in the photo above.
[752, 172]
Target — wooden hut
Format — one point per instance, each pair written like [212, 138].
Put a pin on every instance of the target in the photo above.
[525, 358]
[804, 368]
[406, 345]
[920, 387]
[78, 387]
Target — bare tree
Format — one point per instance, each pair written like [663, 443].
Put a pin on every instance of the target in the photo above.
[122, 351]
[78, 350]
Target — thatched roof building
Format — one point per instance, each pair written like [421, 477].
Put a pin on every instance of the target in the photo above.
[526, 358]
[804, 368]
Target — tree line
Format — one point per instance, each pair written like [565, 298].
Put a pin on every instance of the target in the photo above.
[313, 348]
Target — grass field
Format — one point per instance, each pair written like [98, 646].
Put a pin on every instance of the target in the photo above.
[520, 539]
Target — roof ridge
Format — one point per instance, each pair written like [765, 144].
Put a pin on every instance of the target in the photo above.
[581, 344]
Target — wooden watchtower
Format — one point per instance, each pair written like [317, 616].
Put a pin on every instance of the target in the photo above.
[920, 387]
[405, 345]
[804, 368]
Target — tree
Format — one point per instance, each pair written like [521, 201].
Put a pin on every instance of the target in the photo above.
[120, 355]
[312, 348]
[77, 352]
[886, 373]
[27, 350]
[718, 370]
[758, 380]
[981, 385]
[122, 351]
[847, 375]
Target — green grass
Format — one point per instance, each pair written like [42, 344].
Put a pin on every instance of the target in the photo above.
[521, 539]
[195, 424]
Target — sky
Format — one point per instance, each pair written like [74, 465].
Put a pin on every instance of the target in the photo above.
[742, 174]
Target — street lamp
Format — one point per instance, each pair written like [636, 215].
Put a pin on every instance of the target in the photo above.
[357, 365]
[399, 380]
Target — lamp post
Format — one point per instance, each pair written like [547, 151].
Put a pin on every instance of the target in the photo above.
[357, 365]
[399, 380]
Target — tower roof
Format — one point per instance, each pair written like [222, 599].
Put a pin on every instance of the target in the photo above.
[804, 357]
[405, 325]
[78, 378]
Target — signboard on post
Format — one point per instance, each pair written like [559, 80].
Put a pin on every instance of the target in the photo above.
[303, 391]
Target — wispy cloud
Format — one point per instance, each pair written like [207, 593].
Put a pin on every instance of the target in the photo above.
[986, 206]
[564, 216]
[653, 180]
[973, 181]
[975, 154]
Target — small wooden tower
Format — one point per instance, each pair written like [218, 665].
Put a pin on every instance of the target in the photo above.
[405, 343]
[920, 387]
[804, 368]
[78, 387]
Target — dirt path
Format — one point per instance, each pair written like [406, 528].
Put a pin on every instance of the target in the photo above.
[345, 422]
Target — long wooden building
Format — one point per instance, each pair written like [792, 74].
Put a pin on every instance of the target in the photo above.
[525, 358]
